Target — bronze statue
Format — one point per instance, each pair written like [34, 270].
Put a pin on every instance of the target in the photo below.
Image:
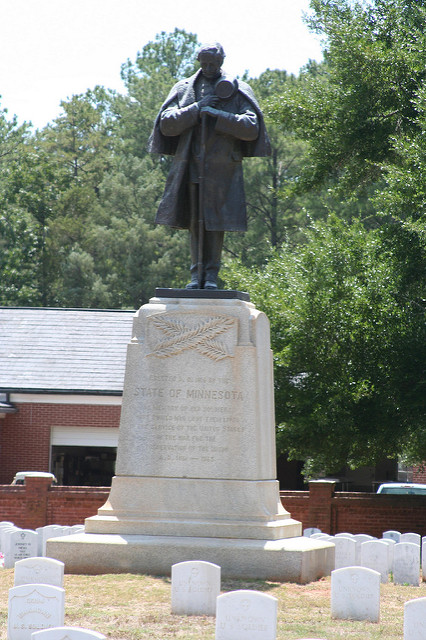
[208, 122]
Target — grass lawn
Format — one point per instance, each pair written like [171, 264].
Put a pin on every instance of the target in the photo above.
[137, 607]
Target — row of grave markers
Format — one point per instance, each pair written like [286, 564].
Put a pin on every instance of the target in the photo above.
[196, 585]
[37, 603]
[36, 609]
[355, 595]
[363, 562]
[251, 615]
[17, 543]
[37, 599]
[399, 554]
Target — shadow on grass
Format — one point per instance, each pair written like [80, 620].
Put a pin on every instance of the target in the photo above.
[235, 585]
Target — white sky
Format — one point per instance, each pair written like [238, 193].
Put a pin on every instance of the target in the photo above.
[53, 49]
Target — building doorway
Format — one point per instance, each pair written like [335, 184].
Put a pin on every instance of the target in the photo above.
[83, 466]
[83, 456]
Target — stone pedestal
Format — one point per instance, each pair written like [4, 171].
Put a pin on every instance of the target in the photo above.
[196, 451]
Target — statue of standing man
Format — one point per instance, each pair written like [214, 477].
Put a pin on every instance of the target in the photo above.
[209, 123]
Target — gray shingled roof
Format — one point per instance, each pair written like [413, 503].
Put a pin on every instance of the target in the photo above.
[63, 350]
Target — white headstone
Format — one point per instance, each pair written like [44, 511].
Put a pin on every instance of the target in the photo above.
[406, 564]
[3, 527]
[50, 531]
[359, 539]
[363, 537]
[4, 537]
[391, 543]
[424, 559]
[345, 552]
[415, 538]
[39, 571]
[393, 535]
[355, 594]
[33, 607]
[246, 615]
[375, 555]
[343, 535]
[21, 544]
[309, 531]
[77, 528]
[321, 536]
[415, 619]
[64, 531]
[195, 587]
[67, 633]
[39, 530]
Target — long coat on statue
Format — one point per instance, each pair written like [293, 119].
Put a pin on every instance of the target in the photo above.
[237, 132]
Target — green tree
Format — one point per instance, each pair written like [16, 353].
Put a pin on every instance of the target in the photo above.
[348, 334]
[79, 197]
[132, 256]
[80, 139]
[351, 108]
[78, 147]
[81, 286]
[173, 52]
[347, 306]
[274, 210]
[148, 80]
[22, 265]
[404, 197]
[18, 258]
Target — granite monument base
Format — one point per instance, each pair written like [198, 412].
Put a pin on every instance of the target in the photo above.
[196, 462]
[194, 507]
[299, 559]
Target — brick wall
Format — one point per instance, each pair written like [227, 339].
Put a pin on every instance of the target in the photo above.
[25, 435]
[354, 512]
[72, 505]
[419, 474]
[12, 504]
[297, 503]
[38, 503]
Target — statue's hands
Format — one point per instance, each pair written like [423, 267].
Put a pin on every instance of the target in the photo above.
[210, 111]
[208, 101]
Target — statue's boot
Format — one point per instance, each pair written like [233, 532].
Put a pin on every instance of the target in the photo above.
[212, 251]
[193, 284]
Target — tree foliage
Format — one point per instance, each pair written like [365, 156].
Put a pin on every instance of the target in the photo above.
[352, 107]
[20, 239]
[149, 79]
[275, 212]
[84, 192]
[347, 304]
[348, 336]
[335, 247]
[90, 190]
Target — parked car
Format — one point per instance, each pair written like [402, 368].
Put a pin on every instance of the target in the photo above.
[21, 475]
[402, 488]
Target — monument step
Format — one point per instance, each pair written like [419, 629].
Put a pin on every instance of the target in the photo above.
[297, 559]
[238, 529]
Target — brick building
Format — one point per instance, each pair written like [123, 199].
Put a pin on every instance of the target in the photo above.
[61, 382]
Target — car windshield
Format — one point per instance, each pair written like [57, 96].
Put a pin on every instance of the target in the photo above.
[417, 491]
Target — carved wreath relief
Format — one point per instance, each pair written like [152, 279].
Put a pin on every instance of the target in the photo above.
[202, 336]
